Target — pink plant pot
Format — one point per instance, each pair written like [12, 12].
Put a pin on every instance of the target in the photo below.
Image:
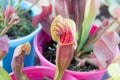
[38, 73]
[40, 41]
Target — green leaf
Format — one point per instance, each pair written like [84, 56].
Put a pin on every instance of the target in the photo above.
[17, 4]
[0, 8]
[110, 2]
[4, 75]
[91, 9]
[114, 71]
[10, 2]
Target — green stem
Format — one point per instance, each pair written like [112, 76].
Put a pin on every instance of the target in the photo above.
[117, 29]
[36, 1]
[4, 75]
[1, 17]
[10, 2]
[16, 6]
[7, 27]
[4, 31]
[3, 1]
[58, 75]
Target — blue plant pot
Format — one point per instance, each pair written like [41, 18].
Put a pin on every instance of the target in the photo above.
[28, 59]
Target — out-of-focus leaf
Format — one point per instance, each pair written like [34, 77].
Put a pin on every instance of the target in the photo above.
[105, 48]
[89, 58]
[114, 68]
[91, 9]
[78, 12]
[114, 10]
[110, 2]
[97, 35]
[81, 9]
[46, 26]
[4, 75]
[114, 71]
[43, 2]
[61, 8]
[14, 19]
[116, 59]
[4, 46]
[0, 8]
[35, 20]
[46, 11]
[45, 23]
[43, 18]
[16, 5]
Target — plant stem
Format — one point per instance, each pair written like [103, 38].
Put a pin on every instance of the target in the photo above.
[10, 2]
[7, 27]
[1, 17]
[15, 19]
[3, 1]
[117, 29]
[58, 75]
[4, 75]
[36, 1]
[4, 30]
[16, 6]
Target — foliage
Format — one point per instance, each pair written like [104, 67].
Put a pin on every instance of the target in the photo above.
[69, 23]
[9, 17]
[4, 47]
[17, 61]
[114, 68]
[23, 28]
[15, 21]
[113, 7]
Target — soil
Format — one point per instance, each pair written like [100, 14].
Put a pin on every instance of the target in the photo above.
[23, 28]
[49, 53]
[36, 60]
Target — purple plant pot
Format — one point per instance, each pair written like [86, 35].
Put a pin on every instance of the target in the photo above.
[38, 73]
[40, 41]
